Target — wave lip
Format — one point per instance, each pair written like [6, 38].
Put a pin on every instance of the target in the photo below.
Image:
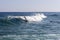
[35, 17]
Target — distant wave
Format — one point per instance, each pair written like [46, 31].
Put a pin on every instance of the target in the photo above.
[35, 17]
[54, 15]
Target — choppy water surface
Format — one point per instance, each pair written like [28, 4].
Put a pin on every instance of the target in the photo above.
[31, 37]
[48, 28]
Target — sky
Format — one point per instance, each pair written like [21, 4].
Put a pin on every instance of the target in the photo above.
[29, 5]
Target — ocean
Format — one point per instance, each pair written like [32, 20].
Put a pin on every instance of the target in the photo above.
[29, 25]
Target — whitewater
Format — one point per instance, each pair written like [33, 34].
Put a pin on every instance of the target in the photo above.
[40, 26]
[35, 17]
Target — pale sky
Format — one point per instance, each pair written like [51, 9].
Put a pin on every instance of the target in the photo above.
[29, 5]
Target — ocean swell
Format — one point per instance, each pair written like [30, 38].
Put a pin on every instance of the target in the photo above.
[14, 20]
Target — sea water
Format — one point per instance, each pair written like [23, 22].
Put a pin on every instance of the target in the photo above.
[40, 26]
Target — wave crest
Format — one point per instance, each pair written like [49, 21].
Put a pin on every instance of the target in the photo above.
[35, 17]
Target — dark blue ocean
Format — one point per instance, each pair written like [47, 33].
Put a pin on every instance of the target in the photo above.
[36, 28]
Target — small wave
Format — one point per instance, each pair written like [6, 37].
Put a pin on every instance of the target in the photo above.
[54, 15]
[35, 17]
[55, 22]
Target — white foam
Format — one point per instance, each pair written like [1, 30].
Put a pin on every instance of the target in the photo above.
[35, 17]
[31, 37]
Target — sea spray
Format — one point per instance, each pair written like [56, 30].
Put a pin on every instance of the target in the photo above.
[35, 17]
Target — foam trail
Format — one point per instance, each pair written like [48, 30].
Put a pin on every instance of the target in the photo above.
[35, 17]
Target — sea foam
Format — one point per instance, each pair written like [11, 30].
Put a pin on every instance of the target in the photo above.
[35, 17]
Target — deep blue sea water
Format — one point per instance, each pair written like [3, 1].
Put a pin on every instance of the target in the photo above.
[17, 29]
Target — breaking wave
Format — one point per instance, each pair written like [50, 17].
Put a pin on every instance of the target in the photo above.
[35, 17]
[14, 20]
